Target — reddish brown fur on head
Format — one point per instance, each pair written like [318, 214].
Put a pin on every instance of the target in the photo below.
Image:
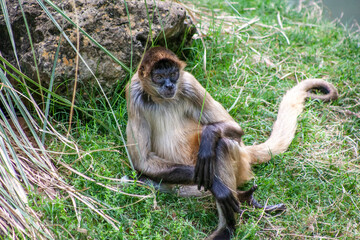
[154, 55]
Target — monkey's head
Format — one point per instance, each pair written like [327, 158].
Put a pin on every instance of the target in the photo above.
[160, 72]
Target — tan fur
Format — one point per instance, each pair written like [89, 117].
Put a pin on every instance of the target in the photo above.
[154, 55]
[284, 127]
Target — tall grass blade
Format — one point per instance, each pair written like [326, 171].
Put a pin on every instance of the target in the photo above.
[8, 25]
[32, 48]
[51, 84]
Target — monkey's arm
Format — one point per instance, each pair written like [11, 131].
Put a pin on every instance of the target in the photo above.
[204, 108]
[147, 162]
[217, 123]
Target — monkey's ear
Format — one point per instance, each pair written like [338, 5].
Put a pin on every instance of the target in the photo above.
[181, 64]
[141, 71]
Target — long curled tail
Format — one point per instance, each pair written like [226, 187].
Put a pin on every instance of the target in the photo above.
[285, 125]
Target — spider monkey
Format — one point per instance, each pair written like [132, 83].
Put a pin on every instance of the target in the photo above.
[178, 134]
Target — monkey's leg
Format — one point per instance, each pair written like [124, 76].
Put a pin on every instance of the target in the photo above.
[225, 172]
[226, 210]
[179, 190]
[247, 197]
[158, 186]
[169, 173]
[206, 159]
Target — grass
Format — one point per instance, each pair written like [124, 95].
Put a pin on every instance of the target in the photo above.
[255, 51]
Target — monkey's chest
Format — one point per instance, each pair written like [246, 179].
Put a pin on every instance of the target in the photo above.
[175, 138]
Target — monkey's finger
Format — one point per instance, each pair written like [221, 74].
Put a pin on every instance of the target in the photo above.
[206, 175]
[234, 204]
[211, 173]
[223, 209]
[198, 182]
[228, 204]
[275, 208]
[228, 214]
[200, 176]
[196, 173]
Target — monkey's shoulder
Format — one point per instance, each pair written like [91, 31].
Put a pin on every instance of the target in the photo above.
[191, 89]
[138, 96]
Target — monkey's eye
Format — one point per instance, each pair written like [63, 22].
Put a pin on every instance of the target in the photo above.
[174, 76]
[158, 78]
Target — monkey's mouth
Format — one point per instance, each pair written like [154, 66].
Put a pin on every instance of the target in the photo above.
[168, 93]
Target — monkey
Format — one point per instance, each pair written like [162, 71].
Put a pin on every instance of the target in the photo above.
[178, 134]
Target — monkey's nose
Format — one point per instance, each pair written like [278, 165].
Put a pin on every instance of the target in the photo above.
[169, 86]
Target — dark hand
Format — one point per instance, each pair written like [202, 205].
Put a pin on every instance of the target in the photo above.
[247, 196]
[225, 197]
[206, 159]
[205, 168]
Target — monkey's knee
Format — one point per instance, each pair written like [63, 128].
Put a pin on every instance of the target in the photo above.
[232, 168]
[224, 157]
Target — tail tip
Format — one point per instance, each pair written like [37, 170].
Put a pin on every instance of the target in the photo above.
[329, 91]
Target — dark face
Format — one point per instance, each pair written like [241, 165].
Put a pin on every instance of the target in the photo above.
[165, 75]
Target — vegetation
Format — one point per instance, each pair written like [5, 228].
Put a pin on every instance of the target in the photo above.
[247, 54]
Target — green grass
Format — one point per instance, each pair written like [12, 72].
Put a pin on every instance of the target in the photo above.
[317, 178]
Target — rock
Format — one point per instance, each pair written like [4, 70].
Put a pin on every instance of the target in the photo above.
[107, 22]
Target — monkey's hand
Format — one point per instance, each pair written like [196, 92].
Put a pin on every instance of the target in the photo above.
[225, 198]
[205, 167]
[206, 159]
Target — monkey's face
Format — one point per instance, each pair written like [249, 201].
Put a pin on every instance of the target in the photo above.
[165, 75]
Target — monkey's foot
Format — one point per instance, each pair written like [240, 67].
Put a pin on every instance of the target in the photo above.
[223, 233]
[247, 197]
